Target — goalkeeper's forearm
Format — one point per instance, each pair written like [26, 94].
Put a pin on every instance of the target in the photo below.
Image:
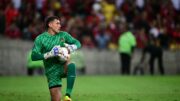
[36, 56]
[72, 47]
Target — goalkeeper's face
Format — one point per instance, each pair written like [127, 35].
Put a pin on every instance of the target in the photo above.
[55, 25]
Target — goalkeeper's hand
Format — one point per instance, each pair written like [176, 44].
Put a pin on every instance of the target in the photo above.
[64, 57]
[64, 54]
[54, 52]
[71, 48]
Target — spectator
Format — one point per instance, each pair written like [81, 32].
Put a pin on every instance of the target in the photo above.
[88, 17]
[176, 33]
[39, 4]
[102, 39]
[140, 5]
[27, 33]
[108, 9]
[154, 31]
[13, 31]
[87, 42]
[119, 3]
[142, 22]
[112, 45]
[141, 38]
[97, 7]
[11, 13]
[2, 22]
[176, 4]
[16, 3]
[164, 38]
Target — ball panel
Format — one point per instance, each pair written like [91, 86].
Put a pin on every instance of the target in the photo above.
[64, 54]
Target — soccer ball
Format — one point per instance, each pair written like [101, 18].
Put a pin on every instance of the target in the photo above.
[64, 54]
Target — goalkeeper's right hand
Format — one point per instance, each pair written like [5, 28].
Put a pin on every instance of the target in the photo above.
[54, 52]
[71, 48]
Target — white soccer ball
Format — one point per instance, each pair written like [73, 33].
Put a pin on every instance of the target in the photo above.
[63, 54]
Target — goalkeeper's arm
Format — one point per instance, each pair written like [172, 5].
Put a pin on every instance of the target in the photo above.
[36, 50]
[71, 48]
[38, 56]
[71, 44]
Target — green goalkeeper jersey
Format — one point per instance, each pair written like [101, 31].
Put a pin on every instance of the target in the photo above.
[45, 42]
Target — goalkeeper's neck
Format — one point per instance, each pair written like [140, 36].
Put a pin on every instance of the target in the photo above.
[51, 31]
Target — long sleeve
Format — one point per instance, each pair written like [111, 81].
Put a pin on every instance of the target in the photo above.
[71, 40]
[36, 51]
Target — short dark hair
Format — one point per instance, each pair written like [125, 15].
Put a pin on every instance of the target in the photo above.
[49, 19]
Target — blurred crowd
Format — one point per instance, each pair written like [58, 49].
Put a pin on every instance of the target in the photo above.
[96, 23]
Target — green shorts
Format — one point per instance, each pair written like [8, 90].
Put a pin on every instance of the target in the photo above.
[54, 75]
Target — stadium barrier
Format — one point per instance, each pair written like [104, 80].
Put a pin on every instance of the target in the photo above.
[13, 55]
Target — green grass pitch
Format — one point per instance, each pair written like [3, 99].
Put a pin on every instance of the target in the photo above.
[95, 88]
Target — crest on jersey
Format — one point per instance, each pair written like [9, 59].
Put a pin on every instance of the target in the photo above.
[62, 40]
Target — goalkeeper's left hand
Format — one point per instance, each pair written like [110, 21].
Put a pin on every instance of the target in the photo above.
[71, 48]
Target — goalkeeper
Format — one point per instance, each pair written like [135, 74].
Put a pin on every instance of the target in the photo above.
[46, 48]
